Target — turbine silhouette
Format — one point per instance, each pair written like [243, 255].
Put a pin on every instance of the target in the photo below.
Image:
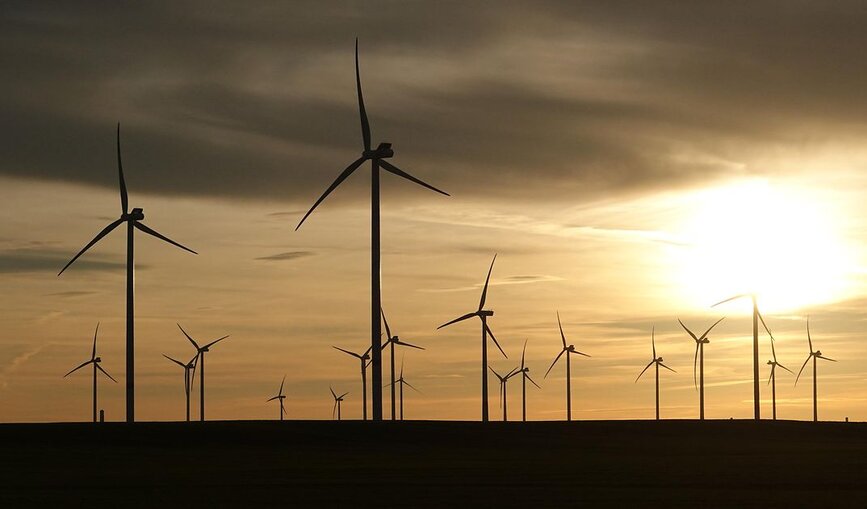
[568, 350]
[189, 368]
[525, 375]
[483, 315]
[772, 379]
[95, 361]
[504, 402]
[378, 161]
[393, 341]
[200, 353]
[658, 362]
[700, 341]
[814, 354]
[133, 220]
[364, 358]
[337, 401]
[280, 397]
[402, 381]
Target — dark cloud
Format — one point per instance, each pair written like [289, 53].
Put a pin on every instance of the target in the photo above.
[516, 100]
[16, 261]
[289, 255]
[71, 294]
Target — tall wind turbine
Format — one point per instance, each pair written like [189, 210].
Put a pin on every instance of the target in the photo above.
[773, 377]
[363, 358]
[133, 220]
[189, 369]
[504, 379]
[525, 375]
[814, 354]
[658, 362]
[337, 401]
[757, 407]
[402, 381]
[568, 350]
[378, 161]
[200, 353]
[95, 361]
[700, 341]
[483, 315]
[393, 341]
[280, 396]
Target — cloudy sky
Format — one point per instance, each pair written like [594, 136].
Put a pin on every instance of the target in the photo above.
[631, 163]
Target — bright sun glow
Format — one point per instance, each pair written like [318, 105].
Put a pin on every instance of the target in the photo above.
[781, 243]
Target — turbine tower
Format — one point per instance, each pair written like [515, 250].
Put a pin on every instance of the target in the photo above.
[364, 358]
[504, 379]
[402, 381]
[95, 361]
[200, 353]
[393, 341]
[337, 401]
[189, 369]
[377, 158]
[568, 350]
[700, 341]
[525, 375]
[658, 362]
[133, 221]
[280, 396]
[772, 379]
[483, 315]
[814, 354]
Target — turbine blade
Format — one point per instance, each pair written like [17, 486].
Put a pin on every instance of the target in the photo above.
[347, 352]
[387, 166]
[711, 328]
[666, 367]
[802, 369]
[151, 231]
[365, 125]
[83, 364]
[281, 386]
[411, 387]
[579, 353]
[105, 231]
[826, 358]
[179, 363]
[555, 362]
[773, 350]
[496, 374]
[695, 366]
[402, 343]
[562, 336]
[212, 343]
[340, 178]
[687, 329]
[532, 381]
[491, 333]
[271, 399]
[93, 354]
[653, 340]
[780, 365]
[739, 296]
[193, 341]
[104, 372]
[124, 199]
[643, 370]
[523, 353]
[487, 280]
[332, 392]
[809, 339]
[387, 330]
[342, 396]
[762, 318]
[459, 319]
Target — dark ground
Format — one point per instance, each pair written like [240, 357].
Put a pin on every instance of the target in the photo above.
[338, 464]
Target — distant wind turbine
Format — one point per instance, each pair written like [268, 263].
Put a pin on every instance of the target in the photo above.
[700, 341]
[525, 375]
[377, 159]
[280, 397]
[200, 352]
[568, 350]
[393, 341]
[95, 361]
[402, 381]
[483, 315]
[658, 362]
[189, 369]
[337, 401]
[814, 354]
[504, 379]
[772, 379]
[757, 407]
[133, 220]
[364, 358]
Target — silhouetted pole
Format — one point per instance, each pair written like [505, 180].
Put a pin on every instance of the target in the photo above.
[391, 344]
[701, 380]
[375, 294]
[202, 388]
[484, 369]
[657, 390]
[281, 410]
[568, 387]
[815, 409]
[756, 403]
[338, 410]
[187, 385]
[401, 399]
[774, 394]
[523, 397]
[130, 324]
[94, 392]
[505, 403]
[363, 391]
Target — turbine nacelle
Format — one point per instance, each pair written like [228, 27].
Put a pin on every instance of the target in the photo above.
[658, 360]
[484, 312]
[383, 151]
[97, 359]
[137, 214]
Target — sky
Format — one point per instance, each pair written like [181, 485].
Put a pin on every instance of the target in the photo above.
[631, 163]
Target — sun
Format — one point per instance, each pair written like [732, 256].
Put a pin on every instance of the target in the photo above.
[780, 242]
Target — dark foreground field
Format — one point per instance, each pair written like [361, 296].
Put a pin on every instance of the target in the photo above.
[617, 463]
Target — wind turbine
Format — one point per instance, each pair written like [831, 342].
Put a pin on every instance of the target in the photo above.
[363, 358]
[393, 341]
[658, 361]
[189, 368]
[773, 377]
[757, 407]
[483, 315]
[699, 358]
[378, 161]
[200, 353]
[569, 350]
[133, 220]
[503, 380]
[95, 361]
[525, 375]
[817, 354]
[337, 401]
[402, 381]
[280, 397]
